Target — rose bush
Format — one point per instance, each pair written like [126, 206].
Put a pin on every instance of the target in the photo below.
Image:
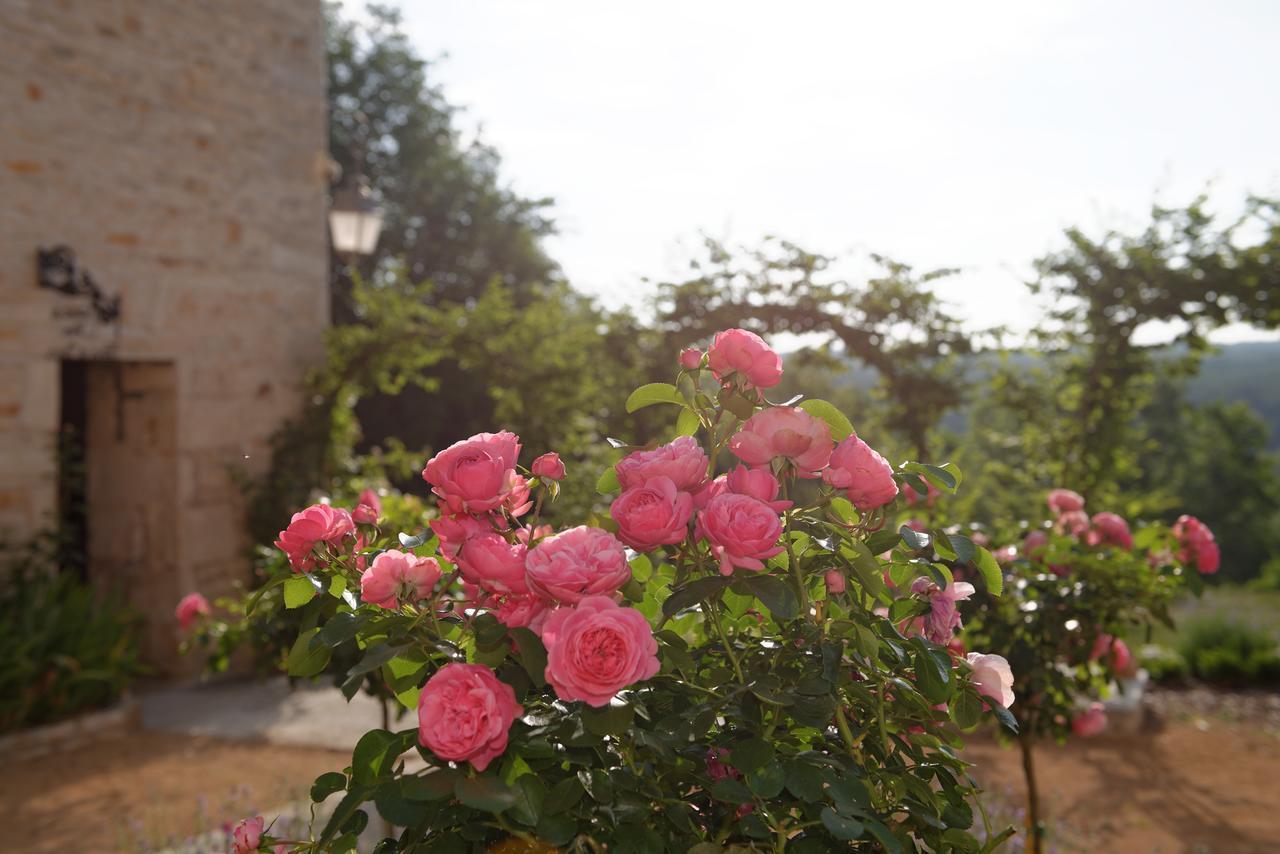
[741, 661]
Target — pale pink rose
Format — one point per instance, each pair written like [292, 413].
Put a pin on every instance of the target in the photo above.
[656, 514]
[518, 501]
[476, 475]
[517, 610]
[943, 619]
[1065, 501]
[1005, 555]
[682, 461]
[1111, 529]
[464, 714]
[835, 581]
[787, 432]
[549, 466]
[742, 531]
[396, 578]
[864, 475]
[191, 608]
[929, 498]
[992, 677]
[527, 535]
[1073, 523]
[1090, 722]
[1198, 544]
[579, 562]
[494, 564]
[368, 508]
[454, 531]
[319, 523]
[737, 353]
[596, 649]
[247, 835]
[691, 358]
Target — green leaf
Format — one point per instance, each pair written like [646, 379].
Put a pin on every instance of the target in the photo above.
[885, 837]
[693, 593]
[836, 420]
[303, 661]
[434, 785]
[767, 782]
[410, 542]
[687, 422]
[751, 754]
[485, 793]
[913, 539]
[652, 393]
[845, 829]
[530, 792]
[730, 791]
[344, 812]
[533, 655]
[866, 566]
[556, 829]
[609, 720]
[736, 403]
[990, 571]
[337, 586]
[966, 710]
[946, 477]
[608, 482]
[963, 547]
[881, 541]
[374, 657]
[299, 590]
[1005, 717]
[326, 784]
[933, 673]
[563, 796]
[776, 595]
[341, 628]
[374, 755]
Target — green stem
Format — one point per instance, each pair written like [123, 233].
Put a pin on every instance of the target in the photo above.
[728, 648]
[842, 724]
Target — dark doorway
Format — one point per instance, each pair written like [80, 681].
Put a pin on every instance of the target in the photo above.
[73, 511]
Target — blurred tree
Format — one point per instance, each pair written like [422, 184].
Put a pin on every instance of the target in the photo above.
[892, 323]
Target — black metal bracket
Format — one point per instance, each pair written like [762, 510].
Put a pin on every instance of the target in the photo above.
[57, 270]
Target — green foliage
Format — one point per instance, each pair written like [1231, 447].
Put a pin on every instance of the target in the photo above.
[65, 648]
[1230, 653]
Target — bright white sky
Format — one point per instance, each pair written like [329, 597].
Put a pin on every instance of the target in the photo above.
[943, 134]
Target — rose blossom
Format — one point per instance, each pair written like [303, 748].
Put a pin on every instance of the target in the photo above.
[834, 579]
[718, 767]
[1073, 523]
[1065, 501]
[247, 835]
[864, 475]
[549, 466]
[464, 713]
[759, 483]
[1035, 542]
[929, 498]
[517, 610]
[454, 531]
[476, 475]
[368, 508]
[1110, 528]
[737, 351]
[489, 561]
[190, 608]
[656, 514]
[992, 677]
[1198, 544]
[1005, 555]
[396, 577]
[596, 649]
[784, 431]
[691, 358]
[1090, 722]
[943, 619]
[319, 523]
[742, 531]
[579, 562]
[683, 461]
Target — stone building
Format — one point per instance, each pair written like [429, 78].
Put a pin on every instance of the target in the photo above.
[178, 150]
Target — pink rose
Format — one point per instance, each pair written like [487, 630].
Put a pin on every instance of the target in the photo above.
[1090, 722]
[1005, 555]
[691, 358]
[476, 475]
[396, 577]
[943, 619]
[864, 475]
[682, 461]
[835, 581]
[575, 563]
[494, 564]
[1122, 659]
[319, 523]
[742, 531]
[368, 508]
[1073, 523]
[190, 608]
[718, 767]
[518, 610]
[744, 354]
[1065, 501]
[759, 483]
[929, 498]
[464, 714]
[1208, 557]
[1035, 542]
[656, 514]
[548, 466]
[247, 835]
[992, 677]
[596, 649]
[1101, 646]
[787, 432]
[1198, 544]
[1110, 528]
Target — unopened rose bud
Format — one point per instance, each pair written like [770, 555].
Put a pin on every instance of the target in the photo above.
[835, 581]
[690, 358]
[548, 466]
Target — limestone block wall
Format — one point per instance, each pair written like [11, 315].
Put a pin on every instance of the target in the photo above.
[178, 148]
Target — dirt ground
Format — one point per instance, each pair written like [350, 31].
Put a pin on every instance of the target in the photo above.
[149, 790]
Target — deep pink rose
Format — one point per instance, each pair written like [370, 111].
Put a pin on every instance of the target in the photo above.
[319, 523]
[190, 608]
[682, 461]
[864, 475]
[1208, 557]
[454, 531]
[1122, 659]
[1065, 501]
[396, 578]
[787, 432]
[494, 564]
[992, 677]
[1110, 529]
[247, 835]
[596, 649]
[1101, 646]
[835, 581]
[656, 514]
[476, 475]
[691, 358]
[943, 619]
[744, 354]
[548, 466]
[1090, 722]
[1198, 544]
[742, 531]
[368, 508]
[464, 714]
[759, 483]
[718, 767]
[579, 562]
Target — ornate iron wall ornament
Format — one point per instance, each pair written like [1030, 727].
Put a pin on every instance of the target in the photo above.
[56, 269]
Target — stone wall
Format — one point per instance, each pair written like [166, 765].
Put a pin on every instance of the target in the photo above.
[178, 148]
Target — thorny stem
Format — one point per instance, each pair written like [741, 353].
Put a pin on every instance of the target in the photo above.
[728, 648]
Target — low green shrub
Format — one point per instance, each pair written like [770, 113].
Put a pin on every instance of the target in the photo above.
[1225, 652]
[1166, 666]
